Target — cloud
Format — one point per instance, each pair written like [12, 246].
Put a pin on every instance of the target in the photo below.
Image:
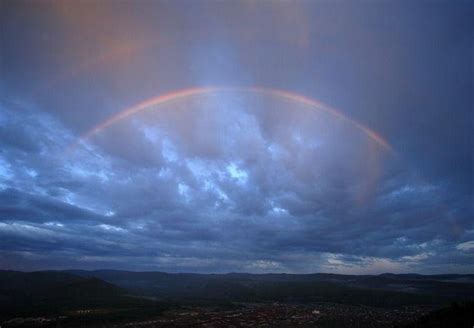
[289, 203]
[237, 182]
[466, 246]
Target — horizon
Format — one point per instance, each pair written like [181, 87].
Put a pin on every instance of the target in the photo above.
[253, 137]
[248, 273]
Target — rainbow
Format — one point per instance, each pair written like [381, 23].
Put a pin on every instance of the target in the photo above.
[185, 93]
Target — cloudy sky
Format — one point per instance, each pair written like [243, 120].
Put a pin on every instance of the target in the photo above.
[320, 136]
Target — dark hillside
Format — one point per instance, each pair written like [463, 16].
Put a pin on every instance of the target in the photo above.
[51, 293]
[459, 315]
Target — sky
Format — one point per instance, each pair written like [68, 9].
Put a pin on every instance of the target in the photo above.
[243, 136]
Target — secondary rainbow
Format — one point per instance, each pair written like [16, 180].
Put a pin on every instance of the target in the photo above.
[185, 93]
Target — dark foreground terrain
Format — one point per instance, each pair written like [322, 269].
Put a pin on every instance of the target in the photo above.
[154, 299]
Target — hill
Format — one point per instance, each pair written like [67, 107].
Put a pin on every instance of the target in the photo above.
[456, 315]
[380, 290]
[86, 298]
[55, 293]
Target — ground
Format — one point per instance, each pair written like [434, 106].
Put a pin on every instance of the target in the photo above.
[248, 315]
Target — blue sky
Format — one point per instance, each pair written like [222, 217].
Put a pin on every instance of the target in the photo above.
[237, 181]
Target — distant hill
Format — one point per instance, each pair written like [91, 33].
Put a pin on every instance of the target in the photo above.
[379, 290]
